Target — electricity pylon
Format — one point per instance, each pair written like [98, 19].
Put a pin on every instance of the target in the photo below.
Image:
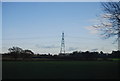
[62, 49]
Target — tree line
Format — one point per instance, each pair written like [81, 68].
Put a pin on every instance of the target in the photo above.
[16, 53]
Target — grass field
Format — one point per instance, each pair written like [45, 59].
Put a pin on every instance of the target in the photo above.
[61, 70]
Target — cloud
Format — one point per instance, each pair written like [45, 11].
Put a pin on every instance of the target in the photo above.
[3, 49]
[72, 48]
[50, 46]
[46, 46]
[96, 49]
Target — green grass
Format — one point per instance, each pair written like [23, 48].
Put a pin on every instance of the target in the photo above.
[61, 70]
[116, 59]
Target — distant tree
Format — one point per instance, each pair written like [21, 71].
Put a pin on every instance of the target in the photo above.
[15, 52]
[75, 52]
[110, 23]
[27, 54]
[116, 54]
[101, 52]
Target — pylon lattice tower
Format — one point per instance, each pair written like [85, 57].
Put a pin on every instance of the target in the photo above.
[62, 49]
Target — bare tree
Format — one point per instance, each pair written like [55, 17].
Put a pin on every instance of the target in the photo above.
[15, 50]
[111, 25]
[18, 52]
